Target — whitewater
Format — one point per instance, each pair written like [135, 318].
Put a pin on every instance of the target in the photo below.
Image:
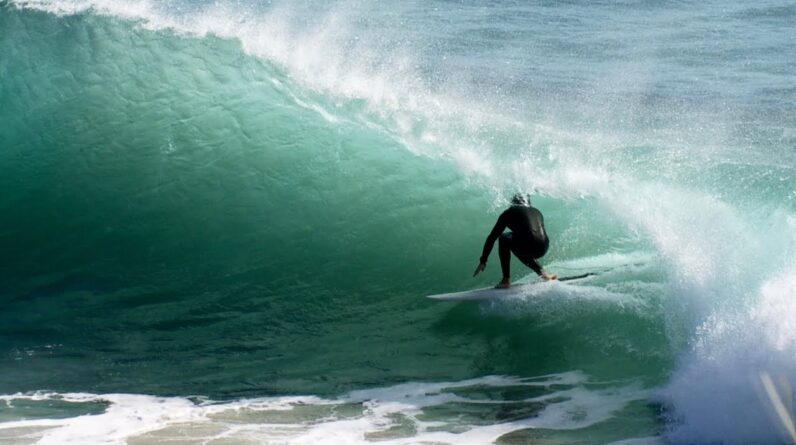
[219, 221]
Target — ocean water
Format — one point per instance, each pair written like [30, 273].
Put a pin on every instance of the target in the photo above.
[219, 220]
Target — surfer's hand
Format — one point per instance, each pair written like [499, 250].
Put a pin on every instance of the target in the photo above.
[549, 276]
[479, 269]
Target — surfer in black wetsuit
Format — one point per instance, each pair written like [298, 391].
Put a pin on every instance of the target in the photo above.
[527, 239]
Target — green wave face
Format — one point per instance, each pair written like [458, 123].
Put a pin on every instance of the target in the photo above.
[173, 198]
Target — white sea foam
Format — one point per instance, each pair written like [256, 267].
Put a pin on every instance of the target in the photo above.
[719, 393]
[620, 283]
[554, 301]
[408, 413]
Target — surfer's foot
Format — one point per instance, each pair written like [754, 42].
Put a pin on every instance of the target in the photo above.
[504, 284]
[549, 276]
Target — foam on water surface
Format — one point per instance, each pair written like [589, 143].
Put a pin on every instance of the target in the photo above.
[475, 411]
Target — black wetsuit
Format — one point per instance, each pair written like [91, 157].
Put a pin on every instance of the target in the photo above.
[527, 239]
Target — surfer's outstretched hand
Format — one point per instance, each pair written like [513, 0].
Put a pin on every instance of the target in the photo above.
[479, 269]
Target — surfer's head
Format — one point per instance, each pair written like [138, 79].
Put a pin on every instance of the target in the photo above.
[520, 199]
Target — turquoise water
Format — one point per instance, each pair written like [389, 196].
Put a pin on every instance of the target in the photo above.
[219, 221]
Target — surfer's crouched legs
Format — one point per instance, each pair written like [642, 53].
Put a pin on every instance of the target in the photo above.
[506, 246]
[504, 251]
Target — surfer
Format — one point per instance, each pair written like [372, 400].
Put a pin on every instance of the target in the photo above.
[527, 239]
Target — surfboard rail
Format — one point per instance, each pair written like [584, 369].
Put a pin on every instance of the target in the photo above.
[489, 293]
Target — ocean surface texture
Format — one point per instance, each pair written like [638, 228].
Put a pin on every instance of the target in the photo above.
[219, 221]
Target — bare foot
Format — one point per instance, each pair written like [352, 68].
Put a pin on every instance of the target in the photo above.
[549, 276]
[504, 284]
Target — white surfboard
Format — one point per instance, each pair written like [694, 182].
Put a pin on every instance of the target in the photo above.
[491, 293]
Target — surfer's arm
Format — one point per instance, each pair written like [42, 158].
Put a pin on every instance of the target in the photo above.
[500, 226]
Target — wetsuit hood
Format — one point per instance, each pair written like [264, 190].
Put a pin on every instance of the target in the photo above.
[520, 199]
